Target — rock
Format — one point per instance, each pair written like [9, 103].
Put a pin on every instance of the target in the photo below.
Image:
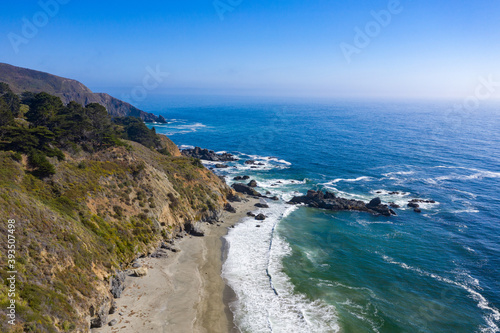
[221, 166]
[413, 205]
[257, 226]
[250, 214]
[393, 205]
[374, 202]
[113, 322]
[234, 198]
[99, 317]
[250, 162]
[327, 200]
[267, 192]
[208, 155]
[113, 308]
[275, 198]
[117, 284]
[161, 253]
[254, 167]
[136, 265]
[261, 205]
[260, 217]
[242, 188]
[195, 230]
[140, 272]
[417, 210]
[252, 183]
[394, 193]
[229, 208]
[241, 178]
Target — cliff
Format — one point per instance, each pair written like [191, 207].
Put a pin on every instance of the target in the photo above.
[97, 212]
[23, 79]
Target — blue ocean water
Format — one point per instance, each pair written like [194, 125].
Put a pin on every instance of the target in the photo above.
[310, 270]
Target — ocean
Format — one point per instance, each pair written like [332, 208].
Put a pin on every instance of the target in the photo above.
[311, 270]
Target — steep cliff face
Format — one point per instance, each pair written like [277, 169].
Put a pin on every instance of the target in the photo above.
[23, 79]
[98, 212]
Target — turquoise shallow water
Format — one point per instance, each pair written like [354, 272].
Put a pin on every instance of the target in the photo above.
[308, 270]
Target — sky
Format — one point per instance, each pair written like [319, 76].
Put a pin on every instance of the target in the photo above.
[313, 48]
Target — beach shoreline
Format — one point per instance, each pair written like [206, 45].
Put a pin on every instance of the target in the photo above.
[185, 291]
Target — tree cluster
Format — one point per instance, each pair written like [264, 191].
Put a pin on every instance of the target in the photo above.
[49, 127]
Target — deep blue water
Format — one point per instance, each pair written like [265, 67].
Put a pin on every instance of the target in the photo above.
[309, 270]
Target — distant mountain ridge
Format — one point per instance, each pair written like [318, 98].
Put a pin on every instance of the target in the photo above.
[23, 79]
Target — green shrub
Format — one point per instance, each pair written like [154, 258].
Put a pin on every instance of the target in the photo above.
[42, 166]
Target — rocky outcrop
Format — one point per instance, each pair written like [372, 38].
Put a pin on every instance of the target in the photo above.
[327, 200]
[229, 208]
[241, 177]
[117, 284]
[242, 188]
[208, 155]
[260, 217]
[252, 183]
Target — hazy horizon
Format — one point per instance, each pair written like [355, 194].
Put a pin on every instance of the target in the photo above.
[368, 49]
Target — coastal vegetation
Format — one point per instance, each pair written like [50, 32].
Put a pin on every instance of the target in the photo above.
[89, 194]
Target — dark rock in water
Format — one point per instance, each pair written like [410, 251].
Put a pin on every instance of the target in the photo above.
[260, 217]
[254, 167]
[208, 155]
[267, 192]
[394, 193]
[234, 198]
[260, 163]
[250, 214]
[378, 192]
[393, 205]
[113, 322]
[318, 199]
[242, 188]
[241, 177]
[252, 183]
[413, 205]
[229, 208]
[261, 205]
[221, 166]
[275, 198]
[417, 210]
[250, 162]
[257, 226]
[374, 203]
[117, 284]
[422, 201]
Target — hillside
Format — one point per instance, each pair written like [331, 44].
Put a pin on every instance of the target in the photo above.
[23, 79]
[89, 194]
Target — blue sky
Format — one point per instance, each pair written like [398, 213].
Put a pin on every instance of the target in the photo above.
[430, 49]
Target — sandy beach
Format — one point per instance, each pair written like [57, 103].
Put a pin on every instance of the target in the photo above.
[183, 292]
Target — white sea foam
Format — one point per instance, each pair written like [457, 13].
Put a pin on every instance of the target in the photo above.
[492, 315]
[349, 180]
[266, 300]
